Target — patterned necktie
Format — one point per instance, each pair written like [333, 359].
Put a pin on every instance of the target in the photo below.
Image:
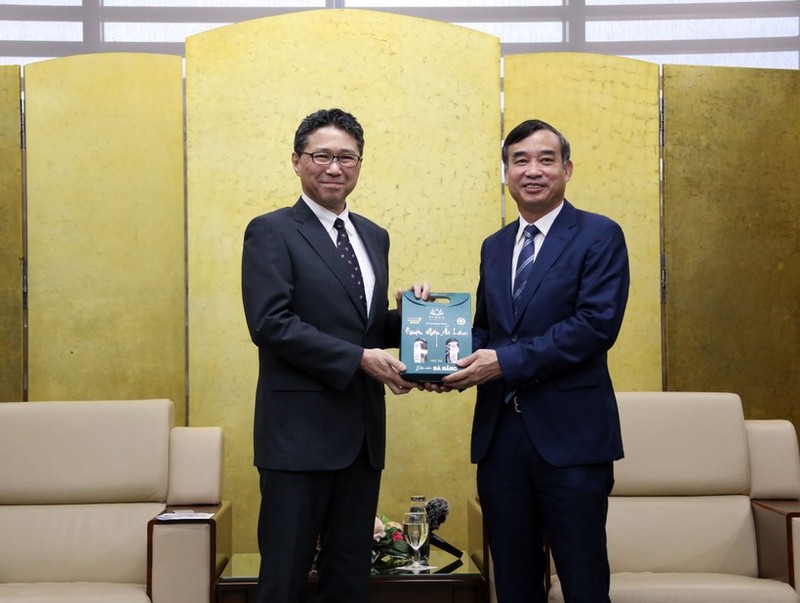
[349, 257]
[524, 264]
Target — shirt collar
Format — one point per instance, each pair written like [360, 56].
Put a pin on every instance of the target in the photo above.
[543, 224]
[326, 216]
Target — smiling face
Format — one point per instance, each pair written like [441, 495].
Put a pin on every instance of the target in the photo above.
[536, 175]
[328, 185]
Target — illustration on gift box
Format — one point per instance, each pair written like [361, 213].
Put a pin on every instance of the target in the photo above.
[435, 334]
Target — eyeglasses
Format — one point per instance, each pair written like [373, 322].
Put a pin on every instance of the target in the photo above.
[346, 161]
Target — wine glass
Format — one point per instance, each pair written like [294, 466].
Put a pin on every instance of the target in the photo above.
[415, 530]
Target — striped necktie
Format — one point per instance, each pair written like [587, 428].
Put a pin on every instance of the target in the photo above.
[524, 265]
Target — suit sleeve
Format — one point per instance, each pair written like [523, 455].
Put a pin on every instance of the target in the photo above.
[592, 304]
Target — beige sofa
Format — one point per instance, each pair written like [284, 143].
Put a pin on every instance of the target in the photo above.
[704, 504]
[81, 485]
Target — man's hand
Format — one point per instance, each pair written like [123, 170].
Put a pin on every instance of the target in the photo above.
[383, 367]
[477, 368]
[421, 291]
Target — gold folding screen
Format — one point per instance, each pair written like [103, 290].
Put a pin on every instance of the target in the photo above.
[11, 252]
[608, 109]
[106, 215]
[732, 234]
[427, 94]
[105, 228]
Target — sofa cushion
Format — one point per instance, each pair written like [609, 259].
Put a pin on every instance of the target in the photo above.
[711, 534]
[79, 592]
[75, 543]
[691, 588]
[84, 452]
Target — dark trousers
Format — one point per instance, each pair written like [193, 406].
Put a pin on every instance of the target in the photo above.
[525, 500]
[297, 508]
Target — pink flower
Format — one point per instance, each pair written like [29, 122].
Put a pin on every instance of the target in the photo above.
[378, 531]
[397, 536]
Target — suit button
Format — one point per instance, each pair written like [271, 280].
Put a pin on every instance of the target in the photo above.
[514, 338]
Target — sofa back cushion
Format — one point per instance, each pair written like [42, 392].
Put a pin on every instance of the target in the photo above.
[682, 444]
[75, 543]
[84, 452]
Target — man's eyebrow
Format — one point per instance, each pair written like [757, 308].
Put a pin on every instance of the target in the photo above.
[330, 151]
[541, 152]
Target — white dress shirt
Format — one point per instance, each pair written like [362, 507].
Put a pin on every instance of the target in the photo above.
[543, 224]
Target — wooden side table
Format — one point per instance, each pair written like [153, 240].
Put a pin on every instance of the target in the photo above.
[453, 581]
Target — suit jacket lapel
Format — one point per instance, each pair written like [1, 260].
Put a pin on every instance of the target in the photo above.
[312, 230]
[561, 232]
[497, 272]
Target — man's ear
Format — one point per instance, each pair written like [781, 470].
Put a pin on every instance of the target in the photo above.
[568, 170]
[296, 163]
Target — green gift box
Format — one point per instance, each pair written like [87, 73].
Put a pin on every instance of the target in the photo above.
[434, 334]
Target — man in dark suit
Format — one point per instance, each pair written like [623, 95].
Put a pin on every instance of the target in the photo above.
[314, 286]
[546, 431]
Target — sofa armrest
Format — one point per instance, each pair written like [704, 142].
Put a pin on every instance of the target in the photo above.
[774, 459]
[195, 466]
[778, 538]
[186, 556]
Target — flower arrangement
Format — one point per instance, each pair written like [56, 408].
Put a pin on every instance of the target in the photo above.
[389, 547]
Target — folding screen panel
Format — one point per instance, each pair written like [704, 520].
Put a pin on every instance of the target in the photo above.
[608, 108]
[106, 228]
[427, 94]
[11, 348]
[732, 234]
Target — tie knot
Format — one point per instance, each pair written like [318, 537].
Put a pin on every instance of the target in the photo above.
[338, 224]
[531, 231]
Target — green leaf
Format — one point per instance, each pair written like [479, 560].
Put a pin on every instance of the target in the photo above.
[402, 546]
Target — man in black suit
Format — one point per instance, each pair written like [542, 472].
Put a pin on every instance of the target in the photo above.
[551, 297]
[314, 286]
